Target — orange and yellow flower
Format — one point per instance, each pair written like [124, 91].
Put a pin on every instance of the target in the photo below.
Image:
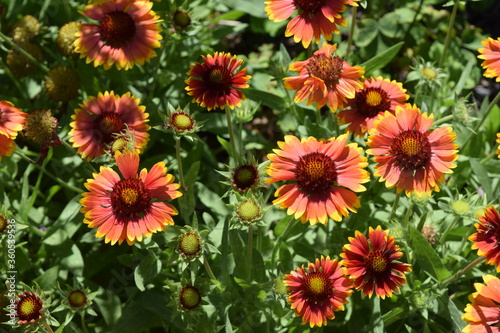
[376, 96]
[11, 119]
[372, 263]
[487, 238]
[217, 81]
[318, 291]
[408, 154]
[324, 175]
[498, 141]
[129, 207]
[324, 79]
[482, 314]
[100, 120]
[315, 18]
[491, 56]
[126, 33]
[7, 146]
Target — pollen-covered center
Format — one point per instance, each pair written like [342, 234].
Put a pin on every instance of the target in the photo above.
[317, 287]
[77, 299]
[245, 176]
[309, 6]
[411, 149]
[189, 297]
[377, 262]
[181, 121]
[130, 199]
[326, 68]
[117, 29]
[248, 211]
[371, 101]
[315, 173]
[218, 78]
[107, 124]
[189, 244]
[29, 307]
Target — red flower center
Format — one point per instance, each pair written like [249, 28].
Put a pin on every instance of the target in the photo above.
[189, 297]
[130, 199]
[109, 123]
[372, 101]
[3, 223]
[411, 149]
[377, 262]
[117, 29]
[317, 287]
[309, 6]
[77, 299]
[218, 78]
[245, 176]
[315, 173]
[29, 307]
[326, 68]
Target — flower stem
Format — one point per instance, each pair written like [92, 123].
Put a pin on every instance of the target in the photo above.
[463, 271]
[447, 230]
[443, 119]
[48, 173]
[395, 206]
[448, 34]
[231, 135]
[19, 49]
[486, 113]
[249, 252]
[351, 32]
[47, 327]
[179, 163]
[404, 224]
[84, 325]
[285, 232]
[208, 268]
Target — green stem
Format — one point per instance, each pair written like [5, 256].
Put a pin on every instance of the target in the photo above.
[208, 268]
[249, 253]
[485, 115]
[443, 119]
[417, 12]
[179, 163]
[462, 272]
[395, 206]
[404, 224]
[48, 173]
[47, 327]
[351, 32]
[14, 79]
[19, 49]
[288, 227]
[231, 135]
[447, 230]
[84, 325]
[448, 34]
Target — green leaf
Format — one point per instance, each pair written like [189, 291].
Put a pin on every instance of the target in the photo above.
[239, 252]
[381, 60]
[48, 279]
[229, 328]
[225, 144]
[465, 75]
[426, 257]
[187, 203]
[286, 258]
[366, 33]
[482, 175]
[263, 97]
[456, 317]
[147, 270]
